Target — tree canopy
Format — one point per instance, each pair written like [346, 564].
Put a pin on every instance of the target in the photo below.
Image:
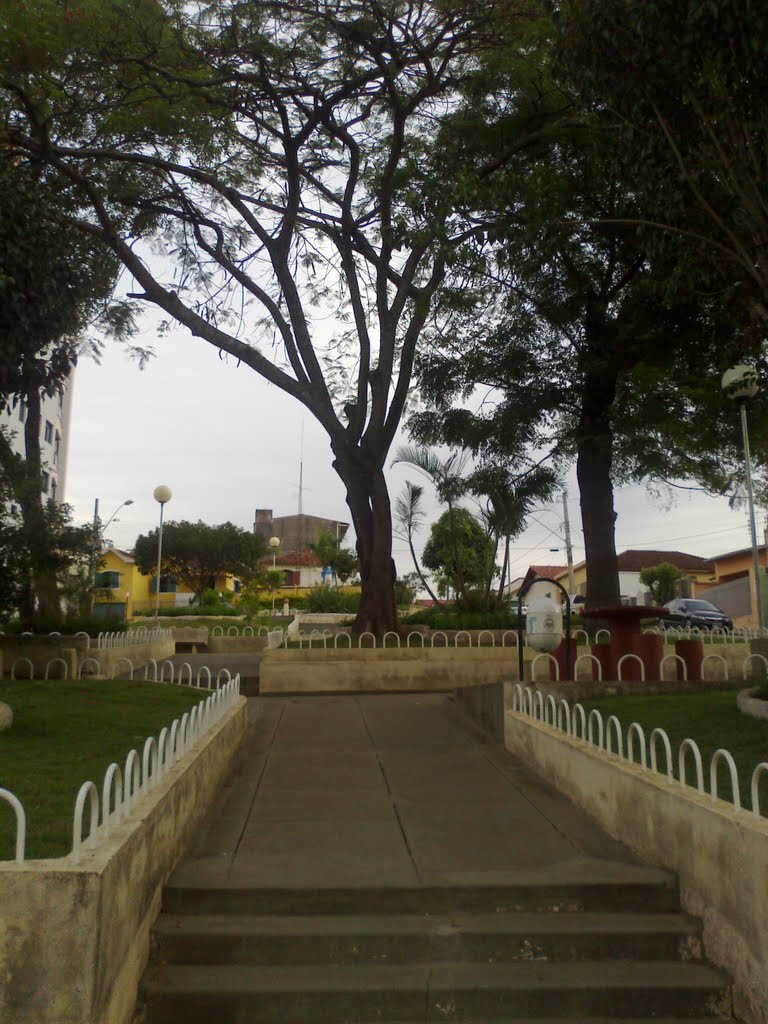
[196, 553]
[457, 551]
[279, 151]
[602, 337]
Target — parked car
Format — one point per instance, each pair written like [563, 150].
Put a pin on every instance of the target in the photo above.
[578, 604]
[691, 611]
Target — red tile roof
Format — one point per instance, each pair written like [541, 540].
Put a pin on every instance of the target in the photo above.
[546, 570]
[634, 561]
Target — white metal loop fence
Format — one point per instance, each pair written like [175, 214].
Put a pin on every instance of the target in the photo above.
[122, 790]
[573, 723]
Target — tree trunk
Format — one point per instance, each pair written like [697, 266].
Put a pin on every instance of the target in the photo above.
[368, 501]
[594, 463]
[503, 579]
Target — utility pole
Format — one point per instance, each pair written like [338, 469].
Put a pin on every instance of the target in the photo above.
[568, 548]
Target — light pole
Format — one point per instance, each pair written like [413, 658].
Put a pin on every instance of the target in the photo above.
[128, 501]
[162, 494]
[97, 531]
[740, 384]
[274, 543]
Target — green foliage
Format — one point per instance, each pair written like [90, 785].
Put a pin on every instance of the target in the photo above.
[264, 583]
[457, 546]
[689, 78]
[47, 553]
[451, 617]
[406, 588]
[277, 154]
[171, 612]
[197, 554]
[342, 562]
[661, 580]
[326, 599]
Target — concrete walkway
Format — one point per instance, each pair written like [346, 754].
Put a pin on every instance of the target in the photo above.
[388, 790]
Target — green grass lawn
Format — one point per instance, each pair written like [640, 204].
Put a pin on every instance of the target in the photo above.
[64, 733]
[711, 718]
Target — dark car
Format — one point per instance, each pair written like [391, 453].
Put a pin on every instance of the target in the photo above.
[691, 611]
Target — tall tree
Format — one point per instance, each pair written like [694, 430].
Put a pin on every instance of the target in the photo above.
[409, 516]
[602, 337]
[279, 150]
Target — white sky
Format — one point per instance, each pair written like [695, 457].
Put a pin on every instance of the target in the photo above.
[227, 442]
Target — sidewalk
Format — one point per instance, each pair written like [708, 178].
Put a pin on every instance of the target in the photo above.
[388, 790]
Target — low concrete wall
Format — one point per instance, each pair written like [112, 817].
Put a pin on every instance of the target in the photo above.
[74, 651]
[235, 644]
[750, 705]
[486, 705]
[139, 655]
[74, 941]
[719, 855]
[381, 669]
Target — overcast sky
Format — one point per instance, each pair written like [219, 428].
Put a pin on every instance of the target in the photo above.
[227, 442]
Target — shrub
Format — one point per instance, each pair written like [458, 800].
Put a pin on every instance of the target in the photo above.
[322, 599]
[455, 618]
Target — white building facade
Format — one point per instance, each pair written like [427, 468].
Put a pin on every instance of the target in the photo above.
[55, 419]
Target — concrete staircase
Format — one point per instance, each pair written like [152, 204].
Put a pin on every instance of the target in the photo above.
[544, 949]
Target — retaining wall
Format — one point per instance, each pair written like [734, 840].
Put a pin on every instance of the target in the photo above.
[74, 941]
[235, 644]
[720, 855]
[320, 670]
[73, 651]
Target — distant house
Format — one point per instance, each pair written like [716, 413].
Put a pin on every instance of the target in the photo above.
[731, 588]
[538, 589]
[697, 572]
[300, 568]
[121, 591]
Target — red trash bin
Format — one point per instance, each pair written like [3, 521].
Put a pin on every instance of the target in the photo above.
[649, 647]
[692, 653]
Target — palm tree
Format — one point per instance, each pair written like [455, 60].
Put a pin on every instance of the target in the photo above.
[409, 514]
[509, 501]
[449, 482]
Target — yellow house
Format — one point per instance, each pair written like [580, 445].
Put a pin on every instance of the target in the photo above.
[121, 591]
[734, 590]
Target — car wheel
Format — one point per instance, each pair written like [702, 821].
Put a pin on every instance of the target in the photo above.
[687, 624]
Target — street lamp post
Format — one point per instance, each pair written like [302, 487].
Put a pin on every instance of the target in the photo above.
[740, 384]
[162, 494]
[274, 543]
[98, 529]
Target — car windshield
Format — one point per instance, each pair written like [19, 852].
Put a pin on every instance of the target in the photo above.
[700, 606]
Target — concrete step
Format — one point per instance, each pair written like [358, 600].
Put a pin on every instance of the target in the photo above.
[621, 888]
[324, 994]
[413, 938]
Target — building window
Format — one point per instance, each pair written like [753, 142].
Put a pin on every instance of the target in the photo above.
[56, 441]
[48, 434]
[107, 580]
[22, 411]
[53, 490]
[45, 479]
[167, 585]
